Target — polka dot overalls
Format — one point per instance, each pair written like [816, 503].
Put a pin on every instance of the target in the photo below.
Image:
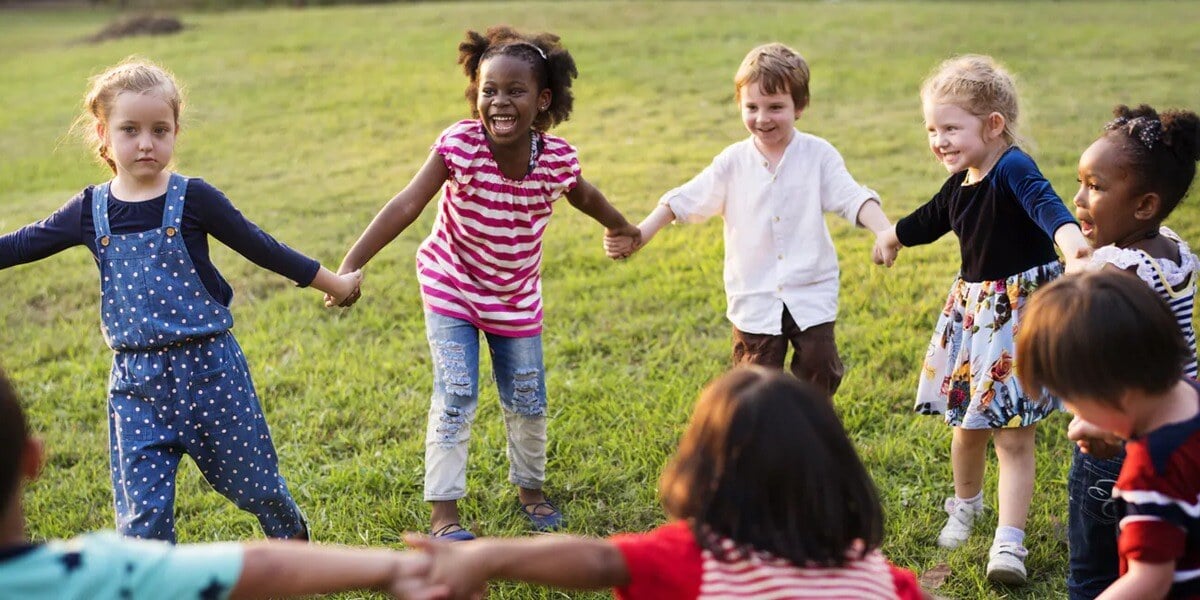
[179, 384]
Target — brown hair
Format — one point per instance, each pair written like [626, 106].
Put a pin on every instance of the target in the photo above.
[978, 85]
[1096, 335]
[13, 432]
[765, 462]
[135, 75]
[775, 68]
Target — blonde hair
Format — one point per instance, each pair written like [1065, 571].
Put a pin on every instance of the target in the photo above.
[775, 68]
[978, 85]
[135, 75]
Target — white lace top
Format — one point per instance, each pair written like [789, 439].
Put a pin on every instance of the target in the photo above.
[1175, 282]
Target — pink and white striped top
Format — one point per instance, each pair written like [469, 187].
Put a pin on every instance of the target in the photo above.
[482, 261]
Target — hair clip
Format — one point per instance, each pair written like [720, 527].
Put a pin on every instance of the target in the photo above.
[1146, 130]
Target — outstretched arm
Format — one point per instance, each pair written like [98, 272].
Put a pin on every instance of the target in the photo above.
[558, 560]
[397, 214]
[591, 202]
[887, 245]
[393, 218]
[273, 569]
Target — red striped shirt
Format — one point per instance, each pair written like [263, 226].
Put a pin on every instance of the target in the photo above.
[482, 261]
[667, 563]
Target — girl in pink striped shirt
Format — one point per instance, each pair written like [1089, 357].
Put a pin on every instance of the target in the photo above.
[500, 174]
[767, 499]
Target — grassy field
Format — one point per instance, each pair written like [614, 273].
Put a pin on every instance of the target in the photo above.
[309, 120]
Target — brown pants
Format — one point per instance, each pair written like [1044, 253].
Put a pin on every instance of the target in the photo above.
[815, 359]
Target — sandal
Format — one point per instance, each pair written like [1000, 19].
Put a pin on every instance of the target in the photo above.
[457, 535]
[548, 522]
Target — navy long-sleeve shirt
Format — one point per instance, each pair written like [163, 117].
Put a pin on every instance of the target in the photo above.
[1005, 222]
[206, 211]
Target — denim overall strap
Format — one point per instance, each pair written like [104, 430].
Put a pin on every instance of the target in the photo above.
[100, 210]
[173, 210]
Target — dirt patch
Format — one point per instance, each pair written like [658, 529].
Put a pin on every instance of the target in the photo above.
[138, 25]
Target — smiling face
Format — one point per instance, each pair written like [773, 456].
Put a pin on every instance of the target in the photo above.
[509, 99]
[769, 118]
[140, 134]
[1107, 202]
[959, 139]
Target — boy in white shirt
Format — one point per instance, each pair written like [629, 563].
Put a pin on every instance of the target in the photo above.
[772, 190]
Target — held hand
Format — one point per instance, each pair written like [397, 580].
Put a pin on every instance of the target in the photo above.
[348, 290]
[622, 242]
[451, 566]
[1079, 262]
[887, 247]
[409, 579]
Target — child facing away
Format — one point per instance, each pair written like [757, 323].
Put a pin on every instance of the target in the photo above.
[1108, 345]
[1007, 218]
[772, 190]
[1130, 179]
[767, 499]
[102, 565]
[480, 268]
[179, 382]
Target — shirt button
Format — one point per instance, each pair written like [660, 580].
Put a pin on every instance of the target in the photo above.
[776, 219]
[780, 257]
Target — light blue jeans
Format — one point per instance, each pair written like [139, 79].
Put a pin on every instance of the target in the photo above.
[520, 377]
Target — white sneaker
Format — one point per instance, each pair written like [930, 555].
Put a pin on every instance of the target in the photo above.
[1006, 563]
[958, 526]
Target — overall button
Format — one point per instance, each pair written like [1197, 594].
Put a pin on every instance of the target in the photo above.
[170, 232]
[104, 241]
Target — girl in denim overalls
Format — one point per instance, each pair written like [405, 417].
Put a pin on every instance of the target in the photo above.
[179, 382]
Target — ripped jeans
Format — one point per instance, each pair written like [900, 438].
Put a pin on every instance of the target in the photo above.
[521, 380]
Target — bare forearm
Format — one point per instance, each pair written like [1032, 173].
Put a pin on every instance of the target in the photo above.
[558, 561]
[283, 569]
[394, 218]
[1143, 581]
[660, 217]
[591, 202]
[871, 216]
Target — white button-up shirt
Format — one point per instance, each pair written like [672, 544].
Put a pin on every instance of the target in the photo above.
[778, 251]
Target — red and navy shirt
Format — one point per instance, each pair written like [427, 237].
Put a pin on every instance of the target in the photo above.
[1158, 496]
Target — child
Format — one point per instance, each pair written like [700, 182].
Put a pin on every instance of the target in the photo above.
[1007, 218]
[1107, 345]
[480, 267]
[767, 498]
[102, 565]
[771, 189]
[179, 382]
[1129, 182]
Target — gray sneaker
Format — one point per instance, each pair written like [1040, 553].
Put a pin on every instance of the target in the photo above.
[1006, 563]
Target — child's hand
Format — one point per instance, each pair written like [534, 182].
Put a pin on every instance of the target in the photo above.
[348, 290]
[1079, 262]
[452, 566]
[410, 578]
[1092, 440]
[622, 242]
[887, 246]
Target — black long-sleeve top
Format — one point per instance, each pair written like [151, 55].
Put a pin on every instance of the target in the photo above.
[1005, 222]
[206, 211]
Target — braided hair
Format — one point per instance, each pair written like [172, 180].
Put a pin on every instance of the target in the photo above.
[553, 67]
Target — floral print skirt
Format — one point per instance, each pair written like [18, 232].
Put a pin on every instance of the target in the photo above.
[968, 371]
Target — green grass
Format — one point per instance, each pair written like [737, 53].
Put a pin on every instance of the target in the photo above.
[311, 119]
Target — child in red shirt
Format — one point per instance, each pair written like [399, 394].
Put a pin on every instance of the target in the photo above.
[766, 496]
